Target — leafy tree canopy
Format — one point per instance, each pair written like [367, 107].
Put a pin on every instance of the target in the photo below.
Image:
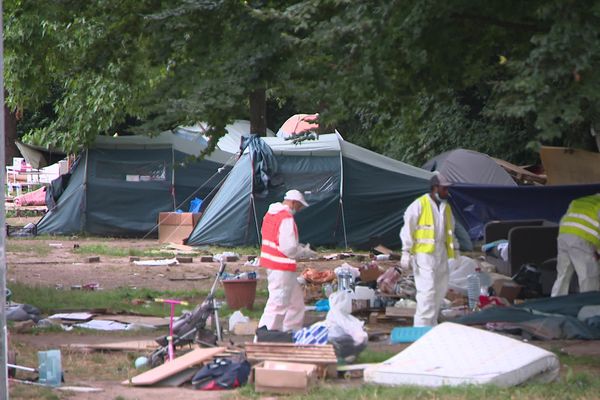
[409, 78]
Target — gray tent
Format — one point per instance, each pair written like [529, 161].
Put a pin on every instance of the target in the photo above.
[468, 166]
[118, 187]
[357, 197]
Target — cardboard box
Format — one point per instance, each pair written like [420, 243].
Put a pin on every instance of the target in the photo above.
[507, 289]
[176, 227]
[370, 274]
[284, 377]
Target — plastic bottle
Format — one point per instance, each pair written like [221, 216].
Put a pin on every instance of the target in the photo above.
[473, 289]
[478, 285]
[50, 372]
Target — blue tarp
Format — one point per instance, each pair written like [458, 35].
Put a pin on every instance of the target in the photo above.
[475, 205]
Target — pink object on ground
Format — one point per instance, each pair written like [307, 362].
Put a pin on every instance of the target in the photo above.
[35, 198]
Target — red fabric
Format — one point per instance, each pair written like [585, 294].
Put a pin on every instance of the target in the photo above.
[35, 198]
[270, 233]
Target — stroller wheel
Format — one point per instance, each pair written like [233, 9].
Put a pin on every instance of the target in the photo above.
[156, 359]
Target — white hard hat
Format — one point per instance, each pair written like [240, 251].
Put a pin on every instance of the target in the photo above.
[296, 196]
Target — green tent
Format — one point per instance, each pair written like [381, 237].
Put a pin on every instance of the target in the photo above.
[357, 197]
[118, 187]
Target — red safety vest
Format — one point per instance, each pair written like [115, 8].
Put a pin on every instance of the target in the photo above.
[270, 255]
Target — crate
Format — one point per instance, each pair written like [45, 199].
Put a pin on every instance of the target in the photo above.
[408, 334]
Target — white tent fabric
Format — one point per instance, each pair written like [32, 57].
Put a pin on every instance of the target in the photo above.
[229, 143]
[452, 354]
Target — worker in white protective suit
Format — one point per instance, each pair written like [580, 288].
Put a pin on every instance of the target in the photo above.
[428, 242]
[284, 310]
[578, 246]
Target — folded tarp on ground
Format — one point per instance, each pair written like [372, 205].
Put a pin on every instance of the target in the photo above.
[452, 355]
[545, 318]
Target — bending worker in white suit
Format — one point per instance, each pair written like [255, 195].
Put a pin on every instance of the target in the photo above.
[578, 246]
[284, 310]
[428, 242]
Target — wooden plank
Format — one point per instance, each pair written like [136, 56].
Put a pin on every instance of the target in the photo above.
[402, 312]
[171, 368]
[136, 319]
[133, 345]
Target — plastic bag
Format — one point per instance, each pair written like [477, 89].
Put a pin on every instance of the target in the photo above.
[236, 318]
[195, 205]
[339, 320]
[317, 333]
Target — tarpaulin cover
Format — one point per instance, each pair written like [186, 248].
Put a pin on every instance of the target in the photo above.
[552, 318]
[475, 205]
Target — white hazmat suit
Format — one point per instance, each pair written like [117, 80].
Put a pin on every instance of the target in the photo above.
[430, 269]
[284, 310]
[575, 254]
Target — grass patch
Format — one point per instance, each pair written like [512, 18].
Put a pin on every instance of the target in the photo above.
[372, 357]
[38, 249]
[580, 386]
[140, 301]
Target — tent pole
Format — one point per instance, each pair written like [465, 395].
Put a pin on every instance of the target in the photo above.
[173, 178]
[341, 198]
[84, 184]
[3, 329]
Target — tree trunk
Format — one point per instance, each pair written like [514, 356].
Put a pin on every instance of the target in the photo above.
[10, 135]
[258, 112]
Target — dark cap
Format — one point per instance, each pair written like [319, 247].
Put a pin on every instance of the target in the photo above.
[439, 180]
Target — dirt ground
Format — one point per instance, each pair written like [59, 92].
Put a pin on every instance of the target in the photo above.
[52, 262]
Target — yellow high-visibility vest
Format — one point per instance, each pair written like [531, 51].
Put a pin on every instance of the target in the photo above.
[424, 235]
[581, 219]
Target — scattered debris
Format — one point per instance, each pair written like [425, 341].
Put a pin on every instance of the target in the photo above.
[92, 259]
[186, 277]
[133, 345]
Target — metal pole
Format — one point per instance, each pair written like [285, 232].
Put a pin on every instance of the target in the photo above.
[3, 330]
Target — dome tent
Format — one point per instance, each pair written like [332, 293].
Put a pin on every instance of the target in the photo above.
[357, 197]
[468, 166]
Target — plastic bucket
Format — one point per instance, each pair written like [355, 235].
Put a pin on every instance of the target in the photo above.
[240, 293]
[50, 367]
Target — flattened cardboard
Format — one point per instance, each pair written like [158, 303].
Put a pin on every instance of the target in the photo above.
[176, 227]
[284, 377]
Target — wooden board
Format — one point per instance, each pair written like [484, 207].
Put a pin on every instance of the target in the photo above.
[135, 319]
[133, 345]
[171, 368]
[401, 312]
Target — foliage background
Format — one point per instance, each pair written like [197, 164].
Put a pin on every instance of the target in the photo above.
[407, 78]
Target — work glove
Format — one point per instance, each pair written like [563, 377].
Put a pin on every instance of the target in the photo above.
[304, 252]
[405, 260]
